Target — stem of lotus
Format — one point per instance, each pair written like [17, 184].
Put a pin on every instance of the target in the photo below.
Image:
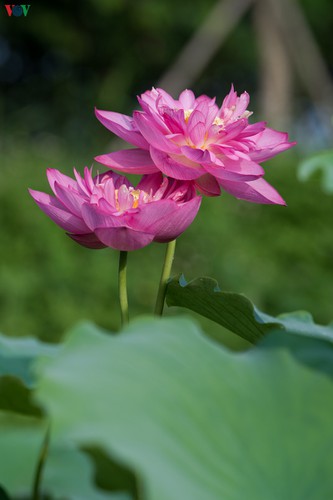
[166, 271]
[36, 494]
[122, 287]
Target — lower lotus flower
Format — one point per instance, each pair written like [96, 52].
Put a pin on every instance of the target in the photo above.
[193, 139]
[107, 211]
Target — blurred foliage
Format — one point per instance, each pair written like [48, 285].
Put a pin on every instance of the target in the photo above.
[322, 164]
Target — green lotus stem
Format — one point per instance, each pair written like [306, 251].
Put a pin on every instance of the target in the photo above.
[122, 287]
[36, 494]
[166, 271]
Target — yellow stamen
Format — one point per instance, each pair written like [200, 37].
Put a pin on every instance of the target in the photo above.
[218, 121]
[136, 195]
[187, 114]
[116, 199]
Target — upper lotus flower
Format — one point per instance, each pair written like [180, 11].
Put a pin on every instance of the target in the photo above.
[107, 210]
[193, 139]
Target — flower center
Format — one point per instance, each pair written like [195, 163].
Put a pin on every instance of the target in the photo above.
[126, 198]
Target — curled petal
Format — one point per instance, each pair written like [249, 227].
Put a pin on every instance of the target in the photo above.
[89, 240]
[208, 185]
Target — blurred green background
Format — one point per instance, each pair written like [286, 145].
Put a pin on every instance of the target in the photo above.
[63, 59]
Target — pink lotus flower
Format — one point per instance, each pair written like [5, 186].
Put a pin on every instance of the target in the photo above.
[193, 139]
[107, 211]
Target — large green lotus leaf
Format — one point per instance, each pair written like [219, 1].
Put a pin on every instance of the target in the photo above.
[17, 355]
[3, 494]
[16, 397]
[236, 312]
[16, 377]
[68, 472]
[193, 419]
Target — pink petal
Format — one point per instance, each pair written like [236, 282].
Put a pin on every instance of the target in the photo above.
[88, 178]
[240, 170]
[58, 213]
[258, 191]
[72, 201]
[269, 138]
[165, 219]
[153, 136]
[252, 129]
[208, 109]
[54, 175]
[175, 121]
[133, 161]
[165, 99]
[241, 105]
[269, 143]
[230, 98]
[123, 126]
[187, 99]
[233, 130]
[94, 217]
[197, 134]
[224, 168]
[195, 118]
[87, 240]
[173, 168]
[197, 155]
[150, 216]
[182, 217]
[147, 101]
[123, 238]
[125, 199]
[243, 167]
[82, 187]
